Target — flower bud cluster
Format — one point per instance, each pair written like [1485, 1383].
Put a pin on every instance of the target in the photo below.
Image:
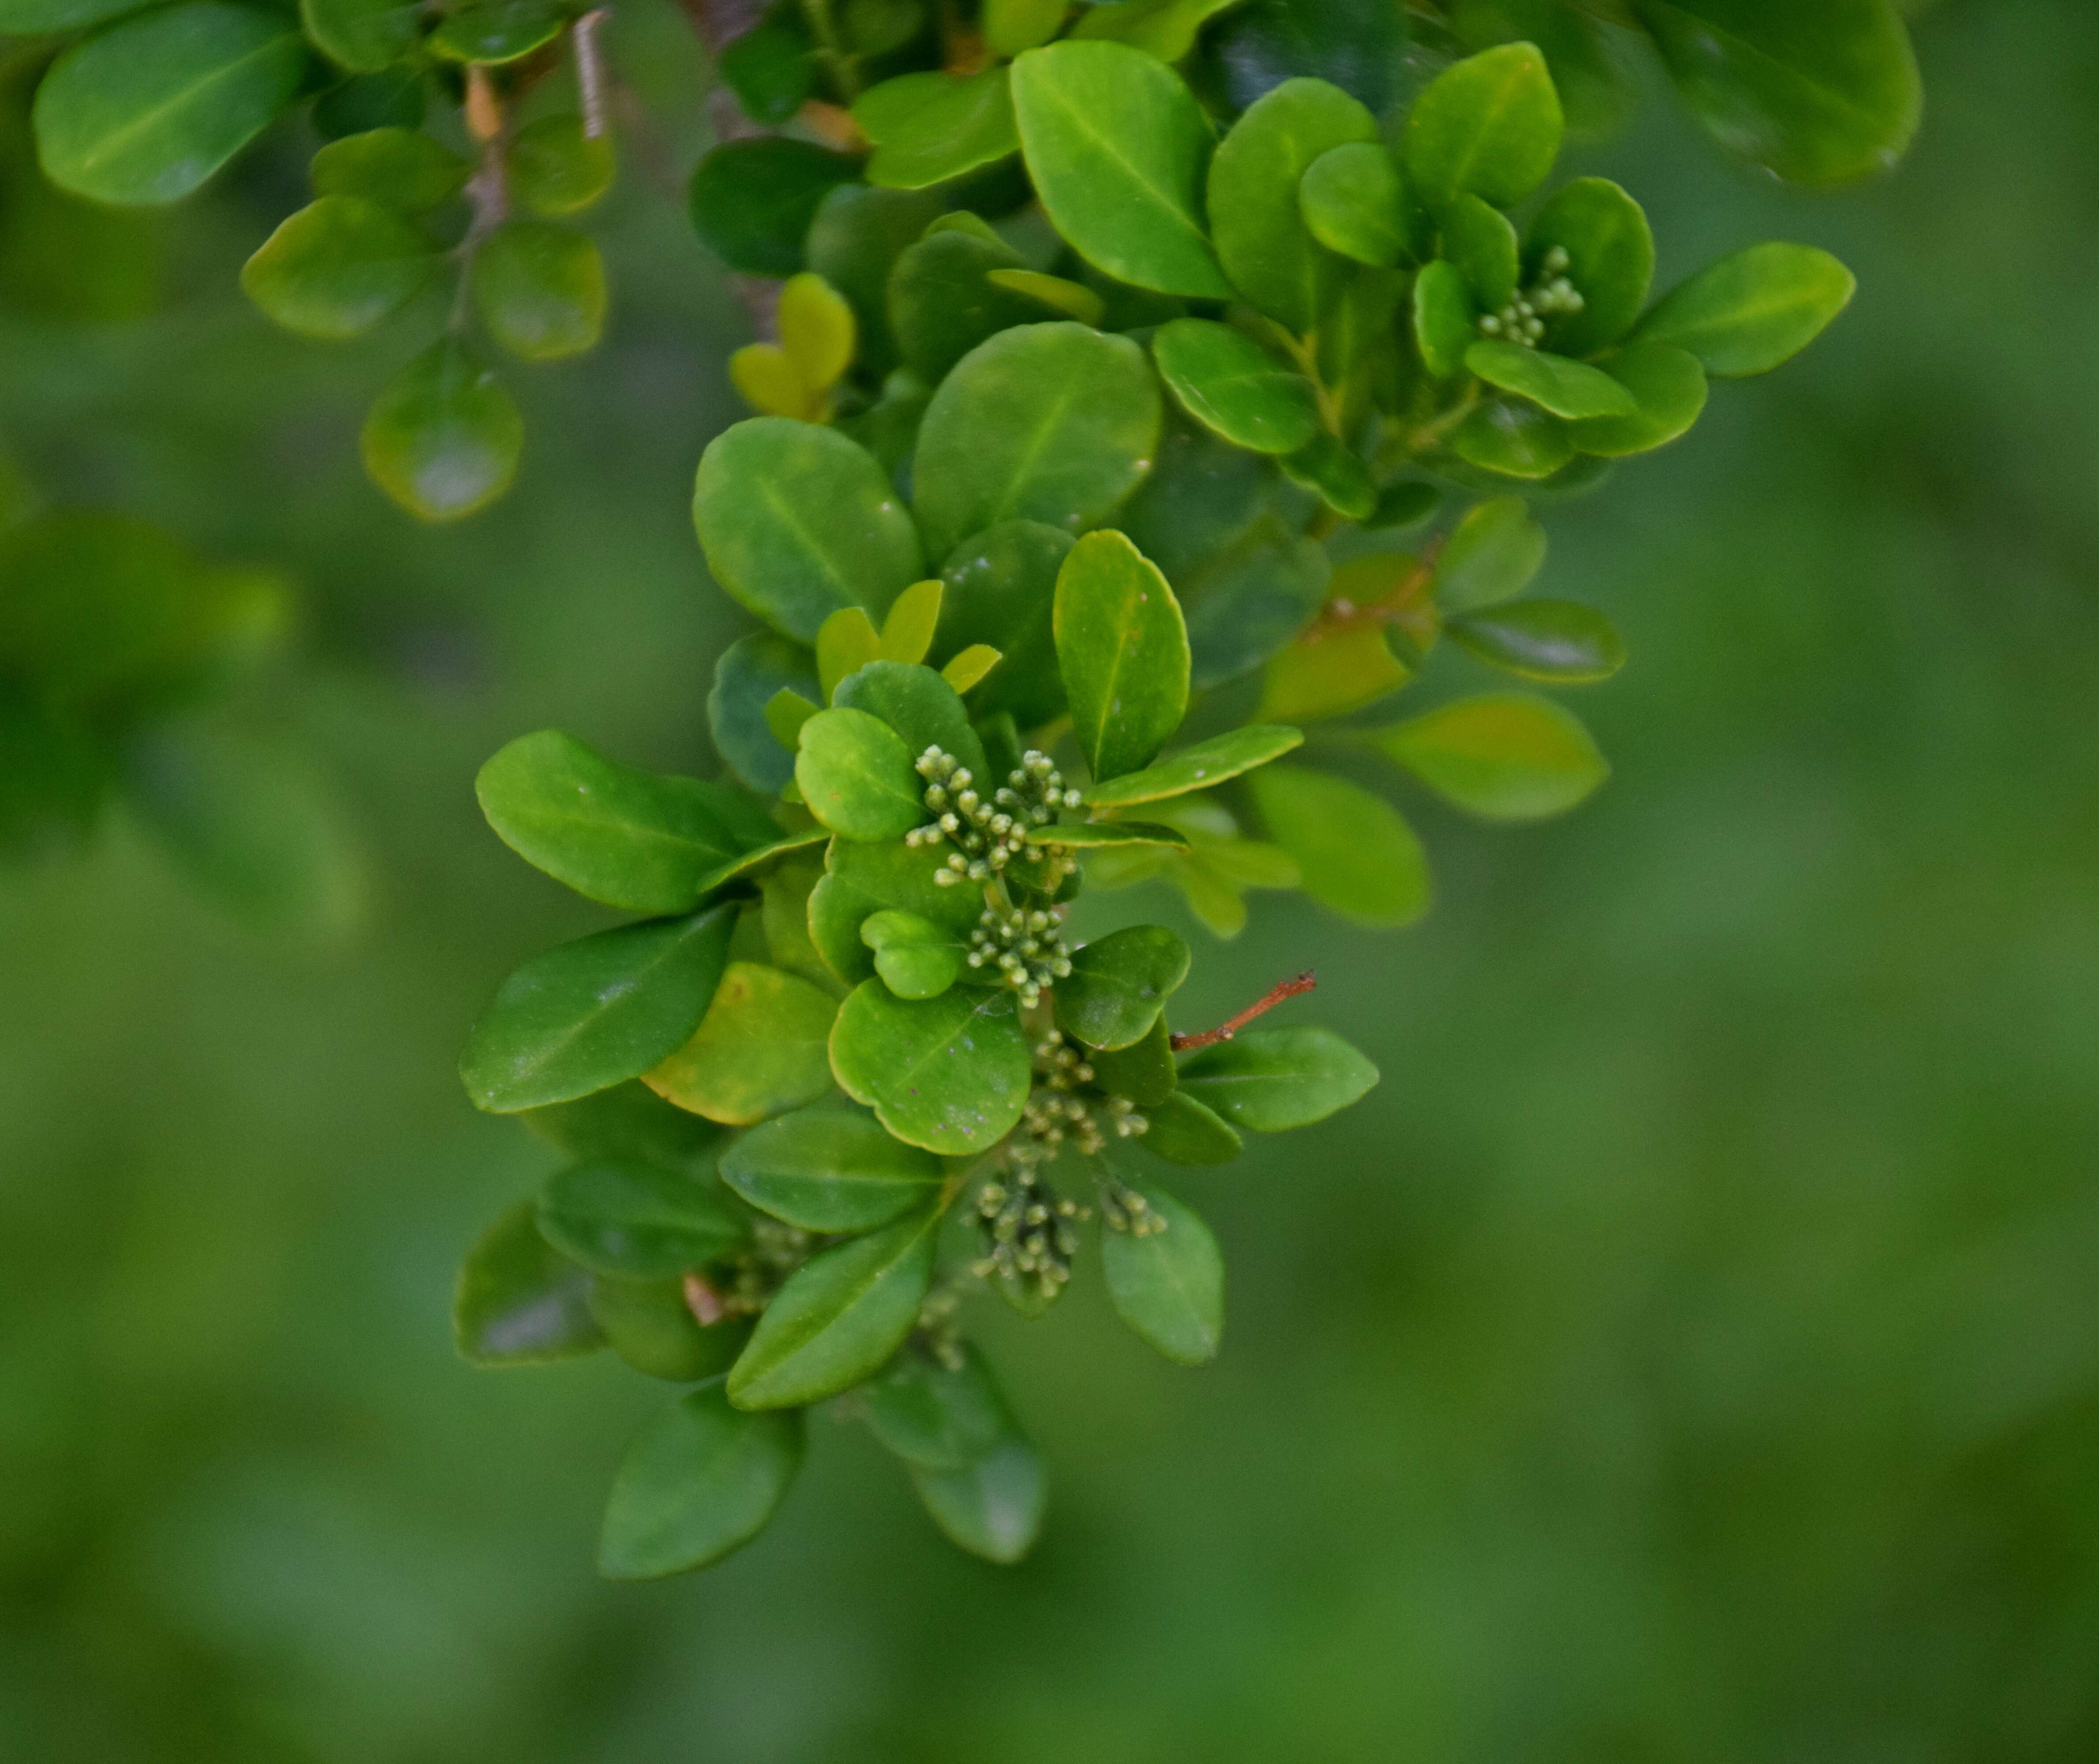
[755, 1275]
[1522, 320]
[1124, 1209]
[987, 834]
[1026, 945]
[1053, 1117]
[1029, 1232]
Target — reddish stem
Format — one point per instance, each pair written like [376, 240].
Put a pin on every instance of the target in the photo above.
[1268, 1001]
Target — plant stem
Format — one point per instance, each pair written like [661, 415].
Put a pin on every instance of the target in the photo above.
[1261, 1006]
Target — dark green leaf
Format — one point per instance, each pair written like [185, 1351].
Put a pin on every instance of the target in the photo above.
[1001, 591]
[443, 437]
[928, 128]
[1127, 196]
[1184, 1131]
[1403, 505]
[650, 1325]
[753, 202]
[797, 521]
[1593, 88]
[1168, 1283]
[1565, 388]
[1503, 756]
[1513, 439]
[402, 170]
[950, 1074]
[923, 709]
[994, 1508]
[492, 32]
[906, 877]
[520, 1302]
[1143, 1071]
[365, 36]
[854, 241]
[595, 1012]
[858, 777]
[145, 110]
[1332, 468]
[1358, 856]
[1669, 387]
[760, 858]
[1053, 423]
[1199, 767]
[637, 1219]
[828, 1170]
[1490, 125]
[1558, 641]
[937, 1417]
[388, 99]
[1749, 312]
[38, 18]
[915, 957]
[1273, 1080]
[1123, 648]
[629, 1120]
[771, 69]
[1445, 318]
[1232, 385]
[1261, 597]
[1120, 983]
[943, 304]
[539, 289]
[760, 1050]
[1610, 261]
[839, 1317]
[1354, 201]
[1481, 241]
[699, 1479]
[1494, 554]
[1353, 44]
[751, 671]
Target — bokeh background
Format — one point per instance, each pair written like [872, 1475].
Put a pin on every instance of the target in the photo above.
[1691, 1351]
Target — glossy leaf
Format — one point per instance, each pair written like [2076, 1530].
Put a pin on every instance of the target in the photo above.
[1358, 856]
[906, 877]
[539, 290]
[760, 1050]
[937, 1417]
[1275, 1080]
[402, 170]
[1504, 756]
[631, 839]
[942, 302]
[1129, 198]
[751, 672]
[1513, 438]
[442, 438]
[950, 1074]
[1353, 201]
[1120, 983]
[1053, 423]
[1444, 318]
[914, 957]
[637, 1219]
[1199, 767]
[1494, 554]
[752, 202]
[1262, 242]
[1233, 386]
[1820, 91]
[519, 1301]
[798, 521]
[1001, 591]
[1143, 1071]
[146, 109]
[1169, 1285]
[699, 1479]
[1489, 125]
[1749, 312]
[923, 709]
[595, 1013]
[1669, 386]
[557, 170]
[1562, 641]
[930, 127]
[1565, 388]
[993, 1508]
[1123, 649]
[858, 777]
[1185, 1132]
[839, 1316]
[1610, 253]
[829, 1170]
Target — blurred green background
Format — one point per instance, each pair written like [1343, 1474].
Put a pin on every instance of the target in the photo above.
[1691, 1351]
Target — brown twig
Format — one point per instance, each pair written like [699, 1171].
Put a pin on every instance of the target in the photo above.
[1340, 615]
[590, 70]
[1261, 1006]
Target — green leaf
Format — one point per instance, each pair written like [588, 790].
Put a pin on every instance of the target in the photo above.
[699, 1479]
[612, 833]
[839, 1317]
[494, 32]
[846, 641]
[1481, 241]
[1099, 835]
[1354, 44]
[595, 1012]
[1120, 983]
[1494, 554]
[1184, 1131]
[145, 110]
[950, 1074]
[557, 170]
[760, 1050]
[1001, 591]
[930, 127]
[1593, 88]
[1332, 468]
[828, 1170]
[784, 914]
[1670, 388]
[628, 1218]
[1273, 1080]
[1168, 1283]
[1262, 243]
[907, 632]
[937, 1417]
[1330, 674]
[1353, 201]
[1749, 312]
[540, 290]
[923, 709]
[753, 202]
[1199, 767]
[1053, 423]
[854, 241]
[1489, 125]
[443, 437]
[1165, 28]
[798, 521]
[364, 36]
[519, 1301]
[1069, 300]
[1503, 756]
[1233, 386]
[858, 777]
[37, 18]
[1010, 26]
[1565, 388]
[1143, 1071]
[915, 957]
[629, 1120]
[1410, 503]
[402, 170]
[772, 68]
[906, 877]
[388, 98]
[752, 671]
[1513, 440]
[1558, 640]
[650, 1325]
[1445, 318]
[1610, 261]
[1123, 649]
[1359, 857]
[1820, 91]
[1115, 146]
[760, 858]
[994, 1508]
